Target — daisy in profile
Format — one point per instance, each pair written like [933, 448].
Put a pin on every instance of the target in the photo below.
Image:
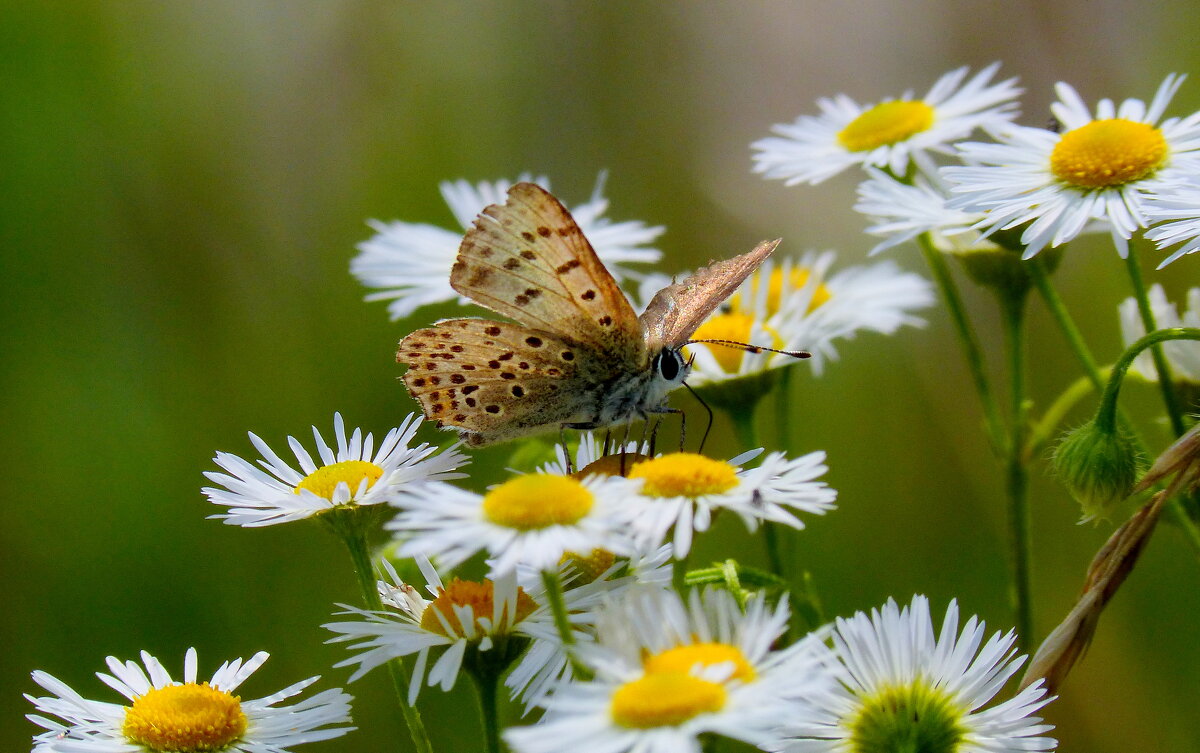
[410, 262]
[507, 619]
[900, 686]
[1177, 207]
[350, 474]
[902, 212]
[683, 490]
[1096, 168]
[801, 305]
[888, 134]
[1183, 356]
[669, 672]
[165, 715]
[531, 520]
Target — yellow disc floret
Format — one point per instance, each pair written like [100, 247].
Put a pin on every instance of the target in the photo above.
[1108, 153]
[685, 474]
[735, 327]
[325, 479]
[184, 718]
[589, 566]
[480, 597]
[798, 277]
[665, 699]
[886, 123]
[685, 658]
[537, 500]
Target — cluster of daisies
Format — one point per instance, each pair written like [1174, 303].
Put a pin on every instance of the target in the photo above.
[637, 664]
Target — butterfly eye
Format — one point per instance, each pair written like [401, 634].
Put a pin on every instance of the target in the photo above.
[668, 365]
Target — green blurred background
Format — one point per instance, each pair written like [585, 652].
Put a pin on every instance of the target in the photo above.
[183, 186]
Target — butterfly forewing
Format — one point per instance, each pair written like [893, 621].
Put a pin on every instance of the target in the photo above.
[528, 260]
[678, 310]
[496, 380]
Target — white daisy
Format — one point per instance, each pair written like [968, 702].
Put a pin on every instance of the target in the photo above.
[901, 687]
[888, 134]
[668, 672]
[353, 475]
[1183, 356]
[1096, 169]
[531, 520]
[902, 212]
[508, 619]
[165, 715]
[802, 306]
[1177, 207]
[682, 490]
[411, 261]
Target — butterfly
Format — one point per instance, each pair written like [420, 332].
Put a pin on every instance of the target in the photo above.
[578, 357]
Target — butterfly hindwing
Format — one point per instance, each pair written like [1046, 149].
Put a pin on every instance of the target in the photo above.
[528, 260]
[496, 380]
[678, 310]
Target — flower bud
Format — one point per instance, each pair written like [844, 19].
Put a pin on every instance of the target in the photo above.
[1098, 466]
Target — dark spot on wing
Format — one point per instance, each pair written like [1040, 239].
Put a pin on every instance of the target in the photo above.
[533, 342]
[505, 356]
[469, 389]
[418, 382]
[468, 367]
[457, 378]
[544, 232]
[435, 381]
[479, 275]
[492, 409]
[493, 364]
[588, 295]
[523, 365]
[532, 292]
[493, 331]
[456, 348]
[568, 355]
[553, 372]
[518, 391]
[521, 300]
[527, 235]
[470, 402]
[511, 263]
[461, 417]
[605, 320]
[507, 375]
[527, 254]
[567, 266]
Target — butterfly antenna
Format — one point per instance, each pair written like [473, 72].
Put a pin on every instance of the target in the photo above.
[707, 410]
[753, 348]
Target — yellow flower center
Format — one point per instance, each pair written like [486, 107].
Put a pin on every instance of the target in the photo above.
[665, 699]
[684, 658]
[537, 500]
[798, 278]
[914, 717]
[589, 566]
[1107, 153]
[886, 123]
[735, 327]
[685, 474]
[184, 718]
[325, 479]
[480, 597]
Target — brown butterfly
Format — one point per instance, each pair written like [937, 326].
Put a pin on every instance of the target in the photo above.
[579, 357]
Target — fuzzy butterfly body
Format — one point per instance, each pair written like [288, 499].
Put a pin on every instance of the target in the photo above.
[578, 356]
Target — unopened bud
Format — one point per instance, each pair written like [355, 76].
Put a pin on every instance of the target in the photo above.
[1099, 467]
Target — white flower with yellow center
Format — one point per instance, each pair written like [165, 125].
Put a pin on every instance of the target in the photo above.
[1183, 356]
[1177, 207]
[901, 687]
[801, 305]
[682, 490]
[1096, 168]
[352, 475]
[530, 520]
[667, 673]
[888, 134]
[411, 262]
[463, 616]
[165, 716]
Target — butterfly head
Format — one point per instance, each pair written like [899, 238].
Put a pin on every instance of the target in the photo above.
[670, 368]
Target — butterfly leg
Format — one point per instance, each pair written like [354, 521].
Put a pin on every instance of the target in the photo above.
[562, 440]
[708, 410]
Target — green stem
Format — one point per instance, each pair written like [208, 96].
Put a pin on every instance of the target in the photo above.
[486, 684]
[365, 572]
[1106, 414]
[1017, 477]
[747, 434]
[966, 337]
[1058, 310]
[562, 622]
[1165, 383]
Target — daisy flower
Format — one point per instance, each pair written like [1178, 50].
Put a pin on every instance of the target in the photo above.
[1098, 168]
[411, 262]
[668, 672]
[501, 617]
[165, 715]
[901, 687]
[1183, 356]
[682, 490]
[792, 305]
[1177, 207]
[902, 212]
[531, 520]
[354, 475]
[887, 134]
